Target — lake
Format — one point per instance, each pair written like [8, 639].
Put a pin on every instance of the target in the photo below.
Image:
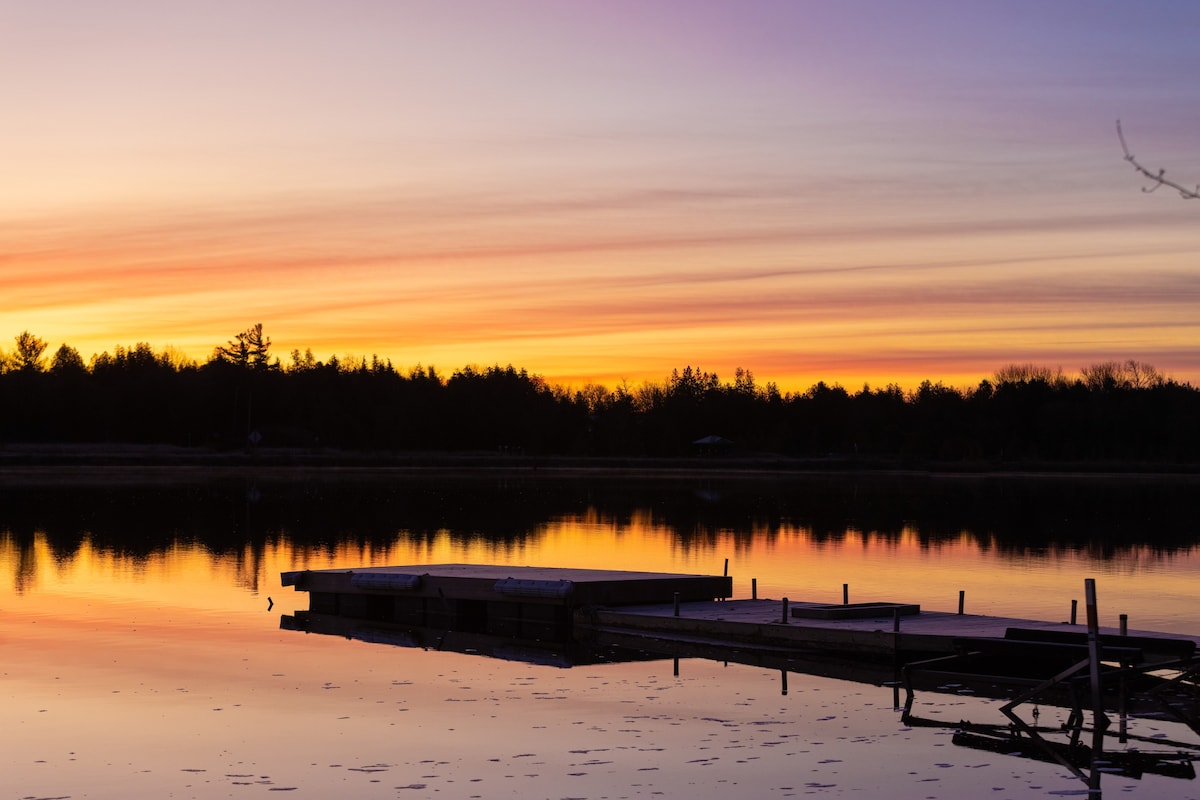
[140, 621]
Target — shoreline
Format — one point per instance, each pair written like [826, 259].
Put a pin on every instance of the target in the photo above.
[163, 462]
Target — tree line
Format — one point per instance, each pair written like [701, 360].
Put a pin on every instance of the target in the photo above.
[244, 396]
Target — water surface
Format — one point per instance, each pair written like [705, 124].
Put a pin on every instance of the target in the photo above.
[142, 660]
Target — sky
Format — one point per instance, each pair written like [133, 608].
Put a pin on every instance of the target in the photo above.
[604, 191]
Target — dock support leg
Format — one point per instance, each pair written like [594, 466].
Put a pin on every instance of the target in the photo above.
[1099, 720]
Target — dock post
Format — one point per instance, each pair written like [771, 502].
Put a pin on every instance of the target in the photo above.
[961, 596]
[1123, 693]
[677, 604]
[754, 588]
[726, 573]
[783, 680]
[1074, 608]
[897, 659]
[785, 612]
[845, 594]
[1099, 721]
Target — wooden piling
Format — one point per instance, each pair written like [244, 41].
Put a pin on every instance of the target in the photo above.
[1074, 608]
[845, 594]
[1124, 624]
[1099, 720]
[961, 597]
[785, 611]
[754, 588]
[677, 604]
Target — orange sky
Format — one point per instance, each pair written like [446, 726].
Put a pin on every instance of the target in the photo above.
[606, 192]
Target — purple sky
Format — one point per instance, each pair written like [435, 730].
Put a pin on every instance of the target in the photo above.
[601, 191]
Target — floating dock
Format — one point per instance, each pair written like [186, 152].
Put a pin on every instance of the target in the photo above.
[521, 602]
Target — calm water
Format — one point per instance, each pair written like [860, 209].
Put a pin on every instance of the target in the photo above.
[141, 659]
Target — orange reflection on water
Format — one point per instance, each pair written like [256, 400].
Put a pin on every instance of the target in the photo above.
[780, 560]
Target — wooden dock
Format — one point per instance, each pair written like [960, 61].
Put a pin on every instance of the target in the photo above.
[886, 634]
[521, 602]
[555, 604]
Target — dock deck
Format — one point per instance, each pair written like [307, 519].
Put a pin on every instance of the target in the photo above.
[522, 602]
[761, 622]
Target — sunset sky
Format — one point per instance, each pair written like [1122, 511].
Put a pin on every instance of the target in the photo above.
[607, 190]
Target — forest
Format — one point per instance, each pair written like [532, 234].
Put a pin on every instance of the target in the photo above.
[1115, 413]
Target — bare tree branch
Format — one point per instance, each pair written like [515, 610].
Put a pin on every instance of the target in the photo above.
[1157, 177]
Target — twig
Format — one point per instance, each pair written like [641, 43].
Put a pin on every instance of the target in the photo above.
[1157, 177]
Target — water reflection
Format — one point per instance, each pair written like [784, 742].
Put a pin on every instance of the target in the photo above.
[1016, 546]
[563, 654]
[1010, 515]
[141, 659]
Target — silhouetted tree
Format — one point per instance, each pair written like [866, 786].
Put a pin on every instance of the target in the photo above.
[250, 348]
[1131, 374]
[1114, 412]
[307, 361]
[28, 355]
[66, 360]
[1029, 373]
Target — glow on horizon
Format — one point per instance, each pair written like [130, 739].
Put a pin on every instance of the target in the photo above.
[604, 194]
